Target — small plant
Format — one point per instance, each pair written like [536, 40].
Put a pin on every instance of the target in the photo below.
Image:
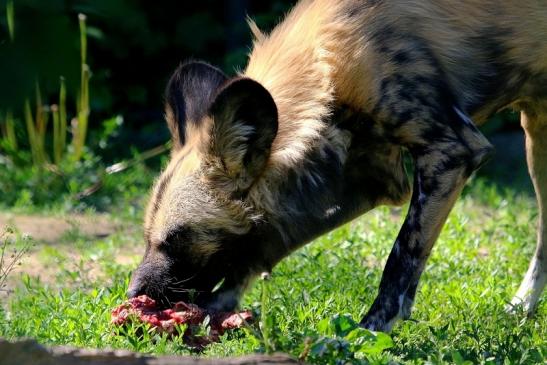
[36, 129]
[10, 256]
[344, 342]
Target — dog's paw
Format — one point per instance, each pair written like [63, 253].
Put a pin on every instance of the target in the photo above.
[520, 305]
[377, 322]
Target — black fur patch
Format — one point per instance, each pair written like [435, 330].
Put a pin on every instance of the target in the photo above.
[401, 57]
[189, 94]
[496, 79]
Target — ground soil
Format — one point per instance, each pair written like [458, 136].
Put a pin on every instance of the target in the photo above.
[55, 231]
[50, 229]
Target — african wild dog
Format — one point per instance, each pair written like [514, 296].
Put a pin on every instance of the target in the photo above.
[311, 134]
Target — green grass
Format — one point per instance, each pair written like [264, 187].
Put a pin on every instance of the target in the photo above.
[313, 298]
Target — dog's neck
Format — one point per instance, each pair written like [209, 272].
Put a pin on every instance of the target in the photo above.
[351, 171]
[298, 199]
[293, 64]
[301, 191]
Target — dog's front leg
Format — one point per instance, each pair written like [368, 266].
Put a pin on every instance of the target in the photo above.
[442, 165]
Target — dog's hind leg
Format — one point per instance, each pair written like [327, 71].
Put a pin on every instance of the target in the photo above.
[535, 127]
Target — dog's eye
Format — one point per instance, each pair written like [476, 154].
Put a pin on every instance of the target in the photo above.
[178, 236]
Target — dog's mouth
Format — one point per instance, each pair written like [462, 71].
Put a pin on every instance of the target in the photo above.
[213, 295]
[223, 301]
[226, 300]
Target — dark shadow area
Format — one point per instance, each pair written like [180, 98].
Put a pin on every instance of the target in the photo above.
[507, 170]
[133, 46]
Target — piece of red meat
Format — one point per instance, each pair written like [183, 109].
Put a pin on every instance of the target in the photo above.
[144, 309]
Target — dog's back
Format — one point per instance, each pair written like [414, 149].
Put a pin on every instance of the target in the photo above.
[491, 53]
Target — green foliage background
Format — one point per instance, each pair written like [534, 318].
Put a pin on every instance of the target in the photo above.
[134, 45]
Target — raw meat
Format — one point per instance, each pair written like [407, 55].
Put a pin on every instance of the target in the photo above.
[144, 309]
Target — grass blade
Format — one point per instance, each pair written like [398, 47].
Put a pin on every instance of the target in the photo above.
[8, 133]
[62, 116]
[82, 105]
[10, 17]
[83, 38]
[31, 132]
[41, 126]
[56, 134]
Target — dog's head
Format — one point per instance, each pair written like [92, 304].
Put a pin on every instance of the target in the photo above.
[199, 231]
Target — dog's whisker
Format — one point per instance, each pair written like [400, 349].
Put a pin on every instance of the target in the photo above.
[183, 280]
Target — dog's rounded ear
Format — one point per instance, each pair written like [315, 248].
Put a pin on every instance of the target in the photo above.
[189, 94]
[244, 127]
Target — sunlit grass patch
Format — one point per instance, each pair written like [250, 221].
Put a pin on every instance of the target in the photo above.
[315, 297]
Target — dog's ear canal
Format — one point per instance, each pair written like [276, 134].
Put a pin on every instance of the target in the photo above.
[244, 127]
[189, 94]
